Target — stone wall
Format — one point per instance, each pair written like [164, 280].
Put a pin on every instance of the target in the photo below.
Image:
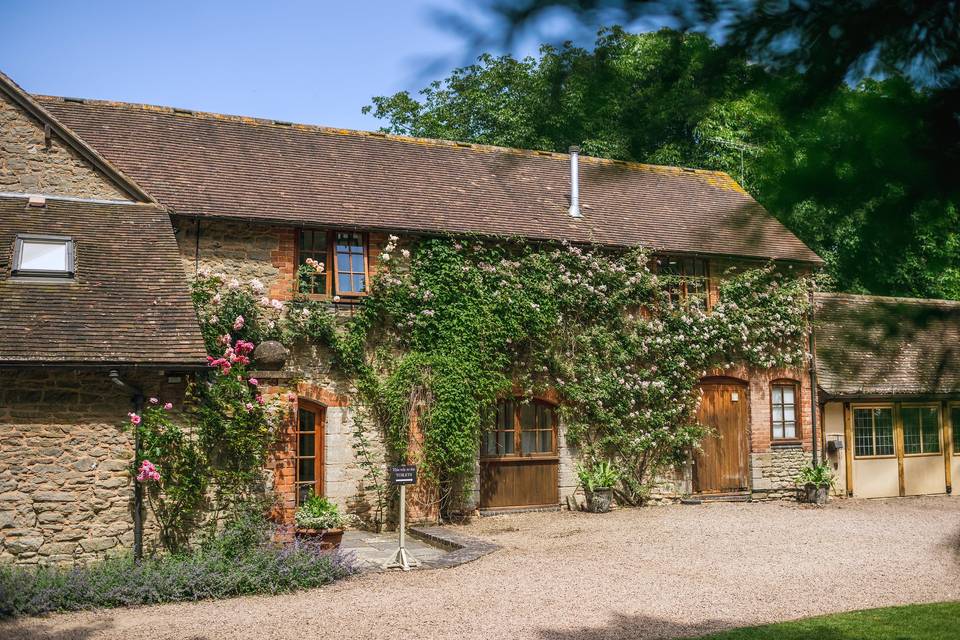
[29, 165]
[65, 487]
[773, 472]
[268, 253]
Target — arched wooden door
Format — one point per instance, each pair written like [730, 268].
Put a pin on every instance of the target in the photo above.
[721, 464]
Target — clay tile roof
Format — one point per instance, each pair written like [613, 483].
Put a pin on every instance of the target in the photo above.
[128, 303]
[873, 346]
[228, 166]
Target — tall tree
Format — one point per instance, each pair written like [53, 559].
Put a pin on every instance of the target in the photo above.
[848, 170]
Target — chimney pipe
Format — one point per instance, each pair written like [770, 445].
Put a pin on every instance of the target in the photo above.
[575, 182]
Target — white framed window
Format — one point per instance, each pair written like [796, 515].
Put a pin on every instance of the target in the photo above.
[43, 256]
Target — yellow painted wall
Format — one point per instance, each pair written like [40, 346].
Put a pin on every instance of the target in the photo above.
[833, 429]
[923, 475]
[875, 478]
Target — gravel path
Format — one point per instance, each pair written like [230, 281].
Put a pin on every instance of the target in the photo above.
[648, 573]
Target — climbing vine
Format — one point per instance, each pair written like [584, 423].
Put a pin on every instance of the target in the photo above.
[451, 325]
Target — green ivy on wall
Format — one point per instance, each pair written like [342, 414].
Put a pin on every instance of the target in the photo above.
[451, 325]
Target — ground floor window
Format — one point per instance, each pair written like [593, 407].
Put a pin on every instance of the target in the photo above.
[921, 429]
[873, 431]
[521, 429]
[955, 422]
[309, 458]
[784, 396]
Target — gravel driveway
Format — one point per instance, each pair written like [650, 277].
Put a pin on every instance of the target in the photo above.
[639, 573]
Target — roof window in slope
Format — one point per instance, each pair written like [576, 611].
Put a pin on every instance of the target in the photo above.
[43, 256]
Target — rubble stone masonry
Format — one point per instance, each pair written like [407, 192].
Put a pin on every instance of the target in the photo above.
[28, 165]
[66, 491]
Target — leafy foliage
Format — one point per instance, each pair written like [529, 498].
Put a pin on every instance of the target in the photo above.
[317, 512]
[454, 325]
[864, 174]
[241, 561]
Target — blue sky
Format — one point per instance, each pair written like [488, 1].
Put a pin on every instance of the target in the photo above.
[305, 61]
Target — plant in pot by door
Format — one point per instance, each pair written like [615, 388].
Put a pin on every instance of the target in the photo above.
[318, 518]
[816, 480]
[598, 480]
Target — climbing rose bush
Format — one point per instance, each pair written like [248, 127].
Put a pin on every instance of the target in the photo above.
[451, 325]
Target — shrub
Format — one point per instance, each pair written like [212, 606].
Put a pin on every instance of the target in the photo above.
[239, 562]
[598, 475]
[819, 474]
[318, 513]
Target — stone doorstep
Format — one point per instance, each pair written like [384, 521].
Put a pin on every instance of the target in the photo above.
[463, 549]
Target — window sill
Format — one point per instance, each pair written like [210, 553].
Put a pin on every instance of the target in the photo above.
[786, 444]
[890, 457]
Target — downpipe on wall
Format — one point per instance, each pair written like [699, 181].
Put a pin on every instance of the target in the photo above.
[136, 396]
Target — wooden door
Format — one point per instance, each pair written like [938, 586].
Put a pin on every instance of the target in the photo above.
[721, 464]
[519, 464]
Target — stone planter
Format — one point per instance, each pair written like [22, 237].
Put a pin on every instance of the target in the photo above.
[599, 500]
[816, 494]
[328, 538]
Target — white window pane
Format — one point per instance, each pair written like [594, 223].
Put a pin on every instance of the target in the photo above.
[777, 395]
[788, 413]
[778, 414]
[43, 256]
[790, 430]
[788, 395]
[778, 430]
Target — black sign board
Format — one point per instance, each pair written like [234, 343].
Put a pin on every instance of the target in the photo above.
[407, 474]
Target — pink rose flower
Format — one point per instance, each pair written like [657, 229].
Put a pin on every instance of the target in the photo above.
[292, 397]
[249, 406]
[134, 418]
[154, 401]
[238, 323]
[259, 399]
[168, 406]
[253, 381]
[148, 472]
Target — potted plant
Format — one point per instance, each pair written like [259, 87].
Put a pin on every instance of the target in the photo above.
[597, 480]
[319, 518]
[816, 480]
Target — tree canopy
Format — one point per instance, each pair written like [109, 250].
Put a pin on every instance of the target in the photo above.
[851, 171]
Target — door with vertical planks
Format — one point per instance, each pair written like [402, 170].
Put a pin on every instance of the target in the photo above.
[721, 464]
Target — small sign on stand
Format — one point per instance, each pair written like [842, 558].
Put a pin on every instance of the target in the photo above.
[402, 476]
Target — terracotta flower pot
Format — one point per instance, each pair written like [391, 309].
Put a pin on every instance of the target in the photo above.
[328, 538]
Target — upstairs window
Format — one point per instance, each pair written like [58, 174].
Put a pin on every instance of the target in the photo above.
[686, 280]
[343, 255]
[43, 256]
[784, 396]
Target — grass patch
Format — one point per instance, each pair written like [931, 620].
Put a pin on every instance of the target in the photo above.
[913, 622]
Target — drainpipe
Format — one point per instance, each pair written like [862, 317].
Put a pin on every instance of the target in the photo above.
[813, 380]
[137, 397]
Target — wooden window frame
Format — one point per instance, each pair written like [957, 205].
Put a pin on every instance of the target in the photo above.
[319, 448]
[683, 297]
[797, 415]
[893, 425]
[923, 405]
[330, 266]
[518, 455]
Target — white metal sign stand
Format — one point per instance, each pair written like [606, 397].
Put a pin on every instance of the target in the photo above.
[402, 559]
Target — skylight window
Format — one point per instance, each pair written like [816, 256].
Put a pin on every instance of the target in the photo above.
[43, 256]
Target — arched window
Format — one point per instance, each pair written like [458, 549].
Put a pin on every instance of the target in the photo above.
[522, 428]
[785, 410]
